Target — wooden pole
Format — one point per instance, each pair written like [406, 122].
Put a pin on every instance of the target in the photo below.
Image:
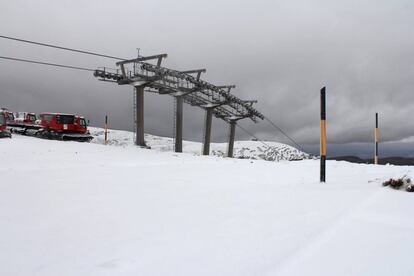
[376, 139]
[323, 135]
[106, 129]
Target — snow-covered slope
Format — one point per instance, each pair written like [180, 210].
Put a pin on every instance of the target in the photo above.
[86, 209]
[270, 151]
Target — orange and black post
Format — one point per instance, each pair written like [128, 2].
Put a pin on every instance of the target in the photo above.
[106, 129]
[323, 135]
[376, 139]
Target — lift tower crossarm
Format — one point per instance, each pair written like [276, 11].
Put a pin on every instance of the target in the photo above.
[140, 59]
[227, 86]
[194, 71]
[198, 71]
[185, 84]
[214, 104]
[185, 91]
[250, 102]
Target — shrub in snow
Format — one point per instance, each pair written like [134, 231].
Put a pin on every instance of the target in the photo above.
[386, 183]
[409, 188]
[398, 183]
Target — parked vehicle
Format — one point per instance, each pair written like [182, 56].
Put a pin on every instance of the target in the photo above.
[25, 117]
[57, 126]
[8, 115]
[64, 126]
[3, 126]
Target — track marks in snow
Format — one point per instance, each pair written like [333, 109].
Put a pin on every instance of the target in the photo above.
[331, 231]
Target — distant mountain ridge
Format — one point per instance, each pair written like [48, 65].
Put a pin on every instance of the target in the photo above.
[393, 160]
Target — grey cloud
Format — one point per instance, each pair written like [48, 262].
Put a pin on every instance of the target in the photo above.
[278, 52]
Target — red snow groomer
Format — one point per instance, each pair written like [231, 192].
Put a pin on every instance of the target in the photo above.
[63, 127]
[25, 117]
[57, 126]
[23, 123]
[3, 126]
[9, 116]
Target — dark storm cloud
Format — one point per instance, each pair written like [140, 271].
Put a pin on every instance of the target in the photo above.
[278, 52]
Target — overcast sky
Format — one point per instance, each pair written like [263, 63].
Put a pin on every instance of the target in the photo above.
[278, 52]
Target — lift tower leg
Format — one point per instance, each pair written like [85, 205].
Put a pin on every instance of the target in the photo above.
[179, 124]
[231, 138]
[207, 131]
[139, 120]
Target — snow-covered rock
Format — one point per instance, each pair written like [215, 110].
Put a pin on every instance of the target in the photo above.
[270, 151]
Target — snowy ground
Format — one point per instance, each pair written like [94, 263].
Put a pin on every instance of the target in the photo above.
[70, 208]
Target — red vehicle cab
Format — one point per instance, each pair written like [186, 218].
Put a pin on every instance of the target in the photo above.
[25, 117]
[81, 124]
[65, 126]
[2, 122]
[3, 126]
[8, 115]
[60, 122]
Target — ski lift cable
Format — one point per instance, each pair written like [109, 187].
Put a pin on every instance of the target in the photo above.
[252, 135]
[60, 47]
[284, 133]
[47, 63]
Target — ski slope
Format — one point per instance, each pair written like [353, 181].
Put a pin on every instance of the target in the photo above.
[71, 208]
